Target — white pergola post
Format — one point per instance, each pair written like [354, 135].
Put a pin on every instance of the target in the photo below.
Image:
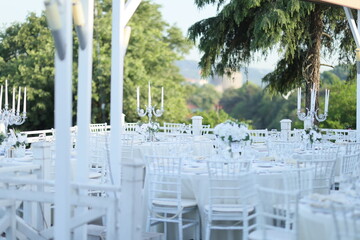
[358, 82]
[116, 98]
[355, 29]
[121, 15]
[63, 110]
[84, 104]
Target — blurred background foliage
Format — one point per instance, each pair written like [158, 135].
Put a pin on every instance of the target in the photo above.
[27, 59]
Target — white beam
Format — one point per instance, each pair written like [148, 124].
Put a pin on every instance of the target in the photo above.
[353, 27]
[130, 8]
[345, 3]
[116, 98]
[63, 116]
[84, 96]
[84, 106]
[358, 87]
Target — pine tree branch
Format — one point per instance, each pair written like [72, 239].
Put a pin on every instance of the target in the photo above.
[326, 65]
[327, 35]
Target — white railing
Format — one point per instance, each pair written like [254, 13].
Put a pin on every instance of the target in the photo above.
[33, 186]
[339, 135]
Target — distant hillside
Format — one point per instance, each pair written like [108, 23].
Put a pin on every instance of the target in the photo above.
[189, 69]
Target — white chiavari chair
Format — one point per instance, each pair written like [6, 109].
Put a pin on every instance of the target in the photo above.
[231, 198]
[352, 148]
[277, 215]
[281, 150]
[323, 173]
[349, 169]
[165, 201]
[346, 220]
[299, 179]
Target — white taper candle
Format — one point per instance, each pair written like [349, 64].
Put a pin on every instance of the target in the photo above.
[299, 99]
[24, 100]
[327, 93]
[18, 103]
[138, 97]
[1, 96]
[162, 98]
[13, 100]
[6, 94]
[149, 99]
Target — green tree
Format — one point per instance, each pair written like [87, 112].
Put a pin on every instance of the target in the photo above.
[252, 103]
[342, 106]
[302, 32]
[205, 97]
[27, 59]
[213, 117]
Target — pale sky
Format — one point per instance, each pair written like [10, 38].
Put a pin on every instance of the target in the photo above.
[183, 13]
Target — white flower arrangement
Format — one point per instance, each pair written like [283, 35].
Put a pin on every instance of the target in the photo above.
[148, 127]
[148, 130]
[312, 135]
[231, 131]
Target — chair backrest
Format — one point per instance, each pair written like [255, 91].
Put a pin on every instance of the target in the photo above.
[278, 211]
[299, 179]
[164, 174]
[99, 153]
[346, 220]
[174, 127]
[202, 150]
[352, 148]
[230, 184]
[324, 152]
[281, 150]
[323, 173]
[127, 143]
[349, 165]
[179, 148]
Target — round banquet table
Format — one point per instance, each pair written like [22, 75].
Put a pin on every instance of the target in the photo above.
[195, 185]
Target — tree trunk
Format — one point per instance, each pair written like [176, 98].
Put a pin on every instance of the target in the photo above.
[311, 67]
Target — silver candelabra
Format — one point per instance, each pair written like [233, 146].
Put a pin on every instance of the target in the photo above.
[312, 114]
[8, 117]
[11, 116]
[150, 110]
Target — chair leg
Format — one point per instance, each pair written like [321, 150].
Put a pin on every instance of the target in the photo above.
[245, 230]
[148, 224]
[165, 227]
[198, 226]
[180, 228]
[207, 232]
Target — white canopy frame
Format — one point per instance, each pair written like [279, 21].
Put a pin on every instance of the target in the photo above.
[63, 109]
[355, 29]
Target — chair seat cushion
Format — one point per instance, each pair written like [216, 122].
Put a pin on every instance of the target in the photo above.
[272, 234]
[173, 203]
[229, 208]
[94, 175]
